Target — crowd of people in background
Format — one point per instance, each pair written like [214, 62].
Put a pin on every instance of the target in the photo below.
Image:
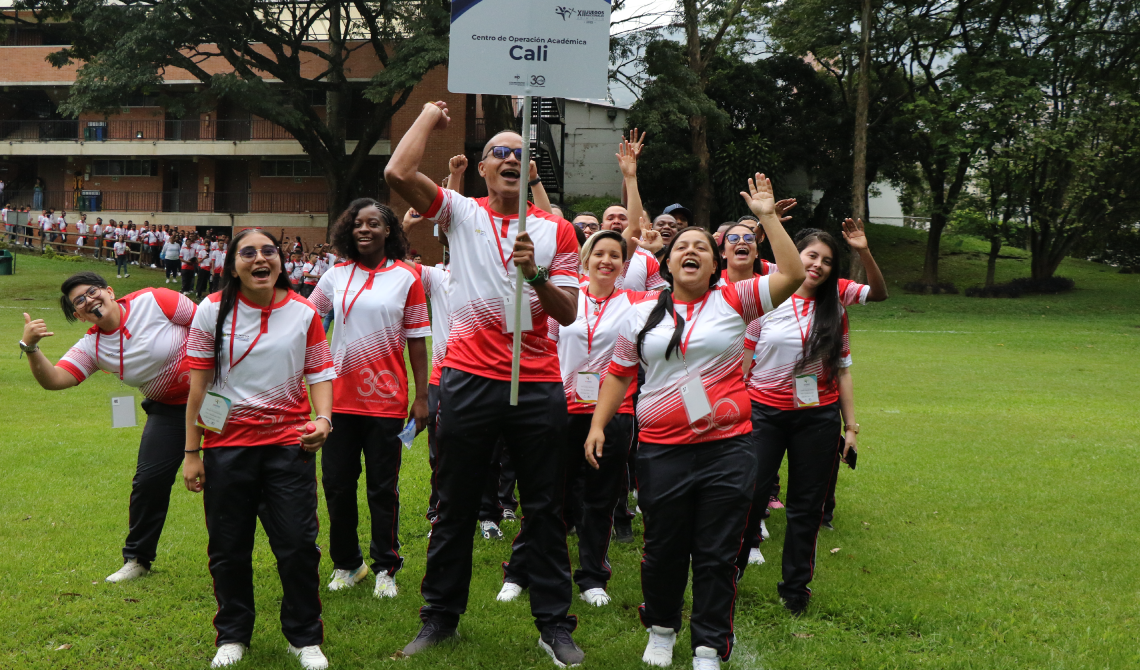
[660, 359]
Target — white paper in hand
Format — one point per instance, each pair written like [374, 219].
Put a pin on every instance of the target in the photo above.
[408, 434]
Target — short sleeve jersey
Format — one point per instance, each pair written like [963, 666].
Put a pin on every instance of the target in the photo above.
[276, 349]
[218, 259]
[587, 345]
[642, 272]
[779, 339]
[120, 248]
[712, 345]
[188, 256]
[377, 310]
[436, 285]
[148, 349]
[483, 276]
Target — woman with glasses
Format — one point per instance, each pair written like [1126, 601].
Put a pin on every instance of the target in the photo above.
[252, 348]
[140, 338]
[696, 468]
[380, 308]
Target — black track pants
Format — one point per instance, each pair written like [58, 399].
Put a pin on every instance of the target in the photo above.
[378, 440]
[433, 410]
[279, 486]
[474, 412]
[203, 286]
[498, 493]
[695, 500]
[160, 460]
[171, 268]
[188, 280]
[809, 437]
[601, 490]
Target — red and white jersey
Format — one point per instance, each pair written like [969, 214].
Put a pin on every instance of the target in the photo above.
[276, 349]
[61, 223]
[306, 270]
[120, 248]
[109, 233]
[642, 272]
[376, 312]
[436, 286]
[766, 269]
[188, 256]
[81, 227]
[203, 256]
[148, 350]
[713, 347]
[587, 345]
[483, 276]
[778, 338]
[218, 260]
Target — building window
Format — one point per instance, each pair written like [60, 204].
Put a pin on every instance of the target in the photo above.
[126, 168]
[289, 168]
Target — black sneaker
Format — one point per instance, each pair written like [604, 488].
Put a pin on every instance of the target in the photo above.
[623, 532]
[557, 641]
[796, 605]
[430, 635]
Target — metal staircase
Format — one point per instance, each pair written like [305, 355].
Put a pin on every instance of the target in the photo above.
[548, 149]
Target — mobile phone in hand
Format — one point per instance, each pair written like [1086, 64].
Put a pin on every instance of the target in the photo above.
[852, 456]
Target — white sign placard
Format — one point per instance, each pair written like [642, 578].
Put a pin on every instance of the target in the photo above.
[552, 48]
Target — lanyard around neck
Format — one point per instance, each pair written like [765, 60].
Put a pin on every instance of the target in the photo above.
[265, 314]
[796, 313]
[684, 347]
[367, 286]
[122, 329]
[597, 322]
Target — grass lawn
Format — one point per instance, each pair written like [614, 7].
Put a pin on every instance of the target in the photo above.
[988, 525]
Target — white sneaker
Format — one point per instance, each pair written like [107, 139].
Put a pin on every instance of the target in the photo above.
[346, 579]
[132, 569]
[152, 266]
[228, 654]
[705, 658]
[596, 597]
[490, 530]
[118, 276]
[311, 657]
[755, 557]
[509, 592]
[126, 275]
[167, 281]
[659, 651]
[385, 587]
[763, 530]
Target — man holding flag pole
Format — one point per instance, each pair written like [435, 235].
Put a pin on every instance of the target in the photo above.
[502, 248]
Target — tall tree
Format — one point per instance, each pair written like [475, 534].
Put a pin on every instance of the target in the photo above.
[862, 108]
[126, 47]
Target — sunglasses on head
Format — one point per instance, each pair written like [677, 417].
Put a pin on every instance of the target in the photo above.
[733, 238]
[249, 254]
[502, 152]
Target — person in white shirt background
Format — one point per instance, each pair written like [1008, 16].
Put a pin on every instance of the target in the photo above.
[122, 256]
[203, 272]
[170, 251]
[81, 234]
[695, 463]
[252, 348]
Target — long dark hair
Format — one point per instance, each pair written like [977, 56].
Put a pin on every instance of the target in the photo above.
[395, 242]
[77, 279]
[826, 340]
[231, 285]
[757, 263]
[665, 300]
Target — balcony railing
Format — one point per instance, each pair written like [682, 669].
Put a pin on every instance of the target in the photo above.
[225, 202]
[73, 130]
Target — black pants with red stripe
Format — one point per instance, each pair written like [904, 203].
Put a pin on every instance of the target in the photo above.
[601, 490]
[500, 477]
[694, 499]
[809, 436]
[159, 462]
[474, 412]
[277, 484]
[378, 439]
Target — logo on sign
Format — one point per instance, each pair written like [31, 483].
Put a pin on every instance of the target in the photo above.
[564, 12]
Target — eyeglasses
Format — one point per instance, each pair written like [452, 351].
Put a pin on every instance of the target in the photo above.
[81, 300]
[502, 152]
[586, 225]
[249, 254]
[733, 238]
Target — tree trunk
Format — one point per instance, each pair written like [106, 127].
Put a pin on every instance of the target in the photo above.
[702, 189]
[498, 114]
[991, 263]
[336, 110]
[933, 242]
[862, 104]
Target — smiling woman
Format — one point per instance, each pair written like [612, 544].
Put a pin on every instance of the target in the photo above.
[141, 338]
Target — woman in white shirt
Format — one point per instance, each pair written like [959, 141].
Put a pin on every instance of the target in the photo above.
[251, 348]
[696, 467]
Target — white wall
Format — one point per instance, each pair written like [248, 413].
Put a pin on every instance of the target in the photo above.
[885, 207]
[591, 142]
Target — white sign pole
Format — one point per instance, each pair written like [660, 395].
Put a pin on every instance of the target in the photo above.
[524, 187]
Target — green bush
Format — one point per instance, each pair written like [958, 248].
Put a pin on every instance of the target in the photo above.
[597, 205]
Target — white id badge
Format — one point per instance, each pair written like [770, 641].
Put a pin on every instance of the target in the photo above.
[123, 412]
[807, 391]
[694, 398]
[509, 314]
[215, 412]
[586, 386]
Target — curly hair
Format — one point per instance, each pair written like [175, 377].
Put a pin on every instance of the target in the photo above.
[395, 242]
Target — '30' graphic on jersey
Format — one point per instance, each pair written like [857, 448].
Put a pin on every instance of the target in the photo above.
[383, 384]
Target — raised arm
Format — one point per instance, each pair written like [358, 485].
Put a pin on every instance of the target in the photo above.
[49, 376]
[628, 152]
[403, 170]
[457, 168]
[538, 192]
[857, 239]
[762, 202]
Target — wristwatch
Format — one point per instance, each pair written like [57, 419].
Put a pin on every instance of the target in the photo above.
[540, 276]
[29, 349]
[853, 427]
